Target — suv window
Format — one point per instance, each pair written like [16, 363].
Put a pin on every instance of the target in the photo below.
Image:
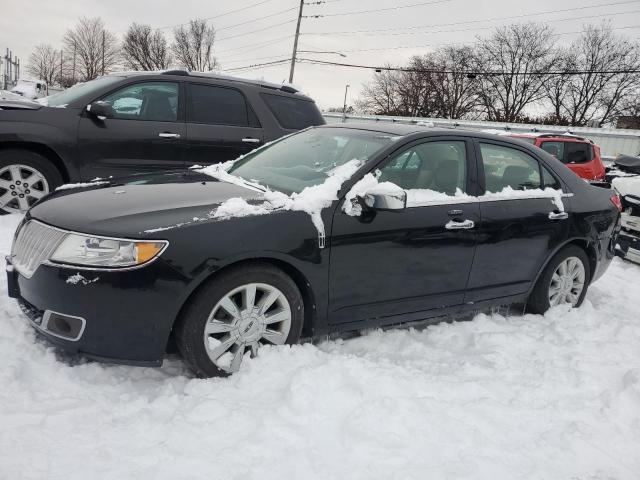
[438, 166]
[219, 106]
[508, 167]
[554, 148]
[293, 113]
[152, 101]
[577, 152]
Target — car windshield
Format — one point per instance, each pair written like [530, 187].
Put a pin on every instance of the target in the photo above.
[307, 158]
[65, 97]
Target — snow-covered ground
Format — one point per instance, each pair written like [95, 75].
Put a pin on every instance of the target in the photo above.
[521, 397]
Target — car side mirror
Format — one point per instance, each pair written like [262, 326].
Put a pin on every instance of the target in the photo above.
[101, 110]
[385, 200]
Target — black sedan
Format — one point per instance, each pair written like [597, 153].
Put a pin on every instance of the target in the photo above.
[332, 229]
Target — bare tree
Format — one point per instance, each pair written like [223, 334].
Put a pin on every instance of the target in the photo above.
[193, 46]
[96, 49]
[596, 95]
[521, 55]
[456, 90]
[381, 96]
[44, 64]
[144, 49]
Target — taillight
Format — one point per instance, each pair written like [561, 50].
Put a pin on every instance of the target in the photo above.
[615, 199]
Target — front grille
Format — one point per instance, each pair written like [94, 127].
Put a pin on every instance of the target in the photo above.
[34, 244]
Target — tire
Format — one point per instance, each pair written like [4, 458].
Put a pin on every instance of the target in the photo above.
[16, 166]
[236, 336]
[540, 299]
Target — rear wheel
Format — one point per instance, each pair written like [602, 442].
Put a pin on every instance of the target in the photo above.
[25, 177]
[234, 315]
[564, 281]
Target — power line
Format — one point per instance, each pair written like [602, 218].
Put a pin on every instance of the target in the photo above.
[255, 31]
[547, 12]
[246, 67]
[433, 32]
[362, 12]
[468, 72]
[224, 14]
[275, 14]
[264, 43]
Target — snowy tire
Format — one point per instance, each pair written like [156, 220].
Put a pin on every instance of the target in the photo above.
[25, 177]
[565, 279]
[236, 313]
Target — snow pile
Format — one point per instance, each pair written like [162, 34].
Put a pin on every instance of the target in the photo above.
[78, 278]
[69, 186]
[500, 397]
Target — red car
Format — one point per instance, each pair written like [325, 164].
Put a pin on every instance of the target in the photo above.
[578, 153]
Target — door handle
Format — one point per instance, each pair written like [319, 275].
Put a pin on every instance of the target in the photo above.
[558, 215]
[169, 135]
[251, 140]
[464, 225]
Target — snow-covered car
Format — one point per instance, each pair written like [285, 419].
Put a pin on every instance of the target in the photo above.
[624, 176]
[329, 230]
[31, 89]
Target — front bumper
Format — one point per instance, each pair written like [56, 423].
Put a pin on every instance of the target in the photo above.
[114, 316]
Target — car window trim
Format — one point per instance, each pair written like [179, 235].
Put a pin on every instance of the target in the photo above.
[179, 112]
[215, 85]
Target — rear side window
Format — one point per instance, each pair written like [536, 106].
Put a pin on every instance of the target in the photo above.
[219, 106]
[293, 113]
[508, 167]
[549, 180]
[577, 152]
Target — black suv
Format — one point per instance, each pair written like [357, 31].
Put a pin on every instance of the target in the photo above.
[139, 122]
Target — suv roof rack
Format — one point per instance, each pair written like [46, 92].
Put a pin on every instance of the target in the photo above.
[274, 86]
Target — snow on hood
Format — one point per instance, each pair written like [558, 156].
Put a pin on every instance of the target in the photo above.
[628, 185]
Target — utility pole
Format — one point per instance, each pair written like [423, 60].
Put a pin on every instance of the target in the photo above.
[295, 43]
[344, 107]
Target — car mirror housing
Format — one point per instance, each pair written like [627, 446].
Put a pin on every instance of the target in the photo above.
[101, 110]
[385, 200]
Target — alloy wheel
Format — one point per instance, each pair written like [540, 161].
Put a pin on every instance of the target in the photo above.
[567, 282]
[20, 187]
[244, 319]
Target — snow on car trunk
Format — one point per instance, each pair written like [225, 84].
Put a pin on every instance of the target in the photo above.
[553, 397]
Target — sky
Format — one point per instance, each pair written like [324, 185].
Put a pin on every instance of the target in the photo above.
[251, 32]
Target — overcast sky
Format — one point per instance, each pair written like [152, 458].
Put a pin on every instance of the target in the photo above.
[407, 31]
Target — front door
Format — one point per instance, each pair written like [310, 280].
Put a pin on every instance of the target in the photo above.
[517, 231]
[221, 125]
[415, 262]
[146, 134]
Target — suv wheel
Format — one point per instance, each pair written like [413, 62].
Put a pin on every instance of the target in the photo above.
[234, 315]
[564, 281]
[25, 177]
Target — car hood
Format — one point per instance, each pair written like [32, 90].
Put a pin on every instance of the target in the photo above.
[25, 104]
[138, 207]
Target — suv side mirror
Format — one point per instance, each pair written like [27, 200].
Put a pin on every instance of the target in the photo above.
[101, 110]
[385, 200]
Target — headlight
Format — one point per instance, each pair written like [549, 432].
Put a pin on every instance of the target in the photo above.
[91, 251]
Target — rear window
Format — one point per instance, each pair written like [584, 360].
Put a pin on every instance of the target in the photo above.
[577, 152]
[293, 113]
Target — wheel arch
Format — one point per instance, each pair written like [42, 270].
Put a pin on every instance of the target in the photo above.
[41, 149]
[301, 281]
[581, 243]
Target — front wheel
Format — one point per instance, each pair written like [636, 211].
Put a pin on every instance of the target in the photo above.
[564, 281]
[25, 177]
[235, 314]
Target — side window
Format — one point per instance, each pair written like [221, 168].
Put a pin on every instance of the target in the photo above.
[554, 148]
[219, 106]
[508, 167]
[153, 101]
[293, 113]
[577, 152]
[549, 180]
[440, 166]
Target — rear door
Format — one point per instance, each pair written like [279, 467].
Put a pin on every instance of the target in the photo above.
[146, 134]
[518, 230]
[221, 125]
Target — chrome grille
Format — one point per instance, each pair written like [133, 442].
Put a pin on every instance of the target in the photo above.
[34, 244]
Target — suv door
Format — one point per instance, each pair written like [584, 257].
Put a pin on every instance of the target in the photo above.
[146, 134]
[221, 125]
[516, 234]
[415, 261]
